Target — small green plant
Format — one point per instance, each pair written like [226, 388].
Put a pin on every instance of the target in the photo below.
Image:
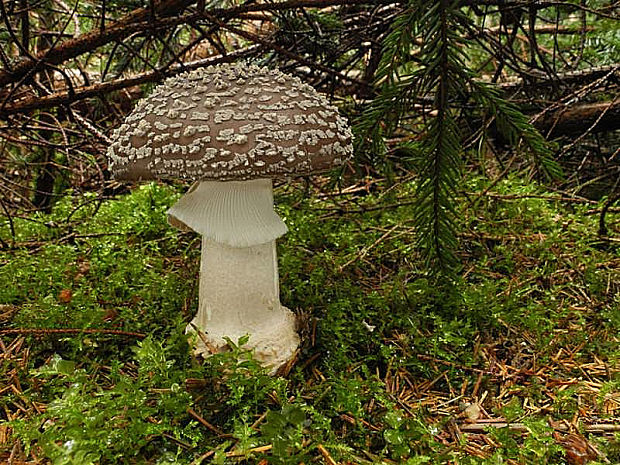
[284, 430]
[88, 423]
[412, 438]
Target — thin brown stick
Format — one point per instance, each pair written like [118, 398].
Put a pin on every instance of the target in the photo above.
[204, 422]
[233, 453]
[136, 21]
[55, 331]
[481, 427]
[326, 455]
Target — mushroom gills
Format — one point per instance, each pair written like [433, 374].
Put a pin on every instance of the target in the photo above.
[235, 213]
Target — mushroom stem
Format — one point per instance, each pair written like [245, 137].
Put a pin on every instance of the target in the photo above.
[239, 290]
[239, 295]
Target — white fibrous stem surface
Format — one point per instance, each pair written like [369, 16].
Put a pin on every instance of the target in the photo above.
[239, 295]
[236, 213]
[239, 290]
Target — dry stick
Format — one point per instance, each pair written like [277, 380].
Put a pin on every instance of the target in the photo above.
[473, 202]
[480, 427]
[63, 97]
[70, 94]
[204, 422]
[183, 444]
[606, 108]
[562, 30]
[89, 91]
[48, 332]
[7, 312]
[363, 252]
[132, 22]
[209, 453]
[23, 141]
[572, 77]
[607, 73]
[94, 90]
[203, 457]
[73, 48]
[325, 453]
[244, 453]
[571, 119]
[258, 421]
[39, 62]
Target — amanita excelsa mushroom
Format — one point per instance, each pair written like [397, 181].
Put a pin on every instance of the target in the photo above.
[233, 129]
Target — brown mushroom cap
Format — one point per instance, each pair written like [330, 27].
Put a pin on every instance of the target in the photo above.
[230, 122]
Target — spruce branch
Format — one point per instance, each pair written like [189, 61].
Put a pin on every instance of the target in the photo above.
[434, 71]
[513, 125]
[424, 58]
[435, 214]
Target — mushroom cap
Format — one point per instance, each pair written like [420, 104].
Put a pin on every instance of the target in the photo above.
[230, 122]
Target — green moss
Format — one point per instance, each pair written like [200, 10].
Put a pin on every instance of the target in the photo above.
[534, 280]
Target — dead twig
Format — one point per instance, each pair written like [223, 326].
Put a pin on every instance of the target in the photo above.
[482, 425]
[58, 331]
[204, 422]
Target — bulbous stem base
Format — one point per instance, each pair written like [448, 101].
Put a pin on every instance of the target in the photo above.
[238, 296]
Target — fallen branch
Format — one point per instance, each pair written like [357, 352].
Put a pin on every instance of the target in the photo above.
[134, 21]
[259, 449]
[81, 93]
[481, 427]
[204, 422]
[50, 332]
[325, 453]
[73, 48]
[580, 77]
[571, 120]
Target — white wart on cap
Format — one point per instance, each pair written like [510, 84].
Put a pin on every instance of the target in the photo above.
[230, 122]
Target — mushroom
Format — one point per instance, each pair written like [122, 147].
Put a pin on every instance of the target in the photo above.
[232, 129]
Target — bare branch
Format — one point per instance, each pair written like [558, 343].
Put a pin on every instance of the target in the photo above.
[64, 97]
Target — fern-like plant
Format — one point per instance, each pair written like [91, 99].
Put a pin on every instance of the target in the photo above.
[424, 80]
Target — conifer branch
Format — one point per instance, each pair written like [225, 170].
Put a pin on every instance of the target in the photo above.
[439, 70]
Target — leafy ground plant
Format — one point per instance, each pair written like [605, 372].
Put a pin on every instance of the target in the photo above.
[516, 363]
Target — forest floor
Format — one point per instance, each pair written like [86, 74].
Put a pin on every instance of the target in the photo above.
[518, 362]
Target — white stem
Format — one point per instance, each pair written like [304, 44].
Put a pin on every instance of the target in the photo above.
[239, 290]
[238, 285]
[239, 295]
